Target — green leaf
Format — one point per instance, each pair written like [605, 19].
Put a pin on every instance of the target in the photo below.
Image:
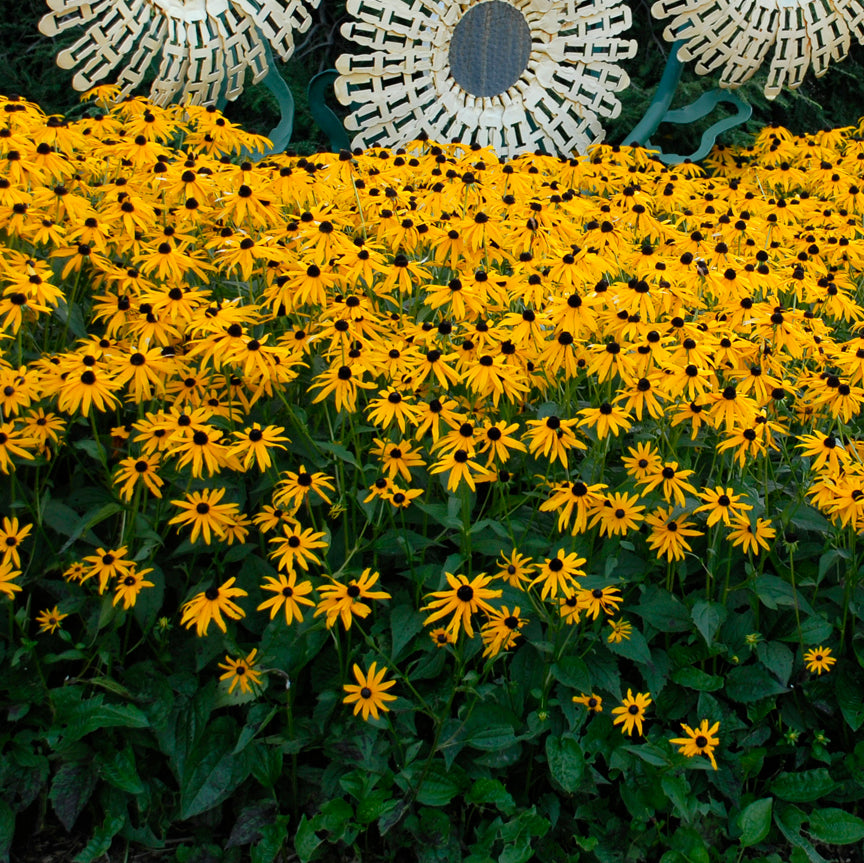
[754, 821]
[774, 592]
[807, 518]
[212, 771]
[101, 840]
[708, 617]
[405, 623]
[7, 829]
[751, 683]
[695, 678]
[439, 787]
[777, 658]
[678, 791]
[690, 845]
[489, 728]
[305, 840]
[814, 630]
[90, 519]
[572, 672]
[491, 792]
[250, 822]
[121, 771]
[663, 611]
[71, 789]
[77, 716]
[836, 827]
[339, 451]
[803, 786]
[566, 762]
[848, 690]
[272, 839]
[634, 648]
[518, 852]
[789, 819]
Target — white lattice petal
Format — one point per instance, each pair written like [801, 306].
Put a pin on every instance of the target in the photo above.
[405, 84]
[204, 47]
[736, 37]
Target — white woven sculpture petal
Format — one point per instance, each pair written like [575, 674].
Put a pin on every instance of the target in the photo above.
[204, 47]
[519, 75]
[736, 36]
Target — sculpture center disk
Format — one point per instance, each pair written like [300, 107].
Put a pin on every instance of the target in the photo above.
[490, 48]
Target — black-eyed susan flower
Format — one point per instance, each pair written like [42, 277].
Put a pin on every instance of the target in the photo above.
[345, 601]
[14, 443]
[817, 659]
[722, 504]
[699, 741]
[463, 599]
[823, 449]
[241, 671]
[619, 630]
[370, 694]
[751, 537]
[559, 574]
[50, 620]
[141, 472]
[209, 605]
[7, 579]
[401, 498]
[631, 713]
[296, 547]
[254, 445]
[597, 599]
[107, 565]
[617, 514]
[460, 467]
[672, 482]
[593, 703]
[11, 536]
[573, 500]
[296, 488]
[501, 630]
[270, 517]
[669, 533]
[605, 419]
[288, 596]
[202, 511]
[130, 585]
[82, 390]
[552, 437]
[441, 637]
[397, 457]
[515, 568]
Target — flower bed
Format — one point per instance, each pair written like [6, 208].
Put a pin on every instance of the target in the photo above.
[417, 503]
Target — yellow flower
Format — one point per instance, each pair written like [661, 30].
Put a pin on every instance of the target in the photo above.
[817, 660]
[632, 711]
[750, 538]
[241, 671]
[370, 693]
[593, 702]
[50, 619]
[344, 600]
[210, 605]
[621, 630]
[699, 741]
[463, 599]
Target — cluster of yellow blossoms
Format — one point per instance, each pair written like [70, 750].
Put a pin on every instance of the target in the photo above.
[597, 323]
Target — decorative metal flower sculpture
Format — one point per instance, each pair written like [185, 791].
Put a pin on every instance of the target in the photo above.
[206, 45]
[737, 35]
[519, 75]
